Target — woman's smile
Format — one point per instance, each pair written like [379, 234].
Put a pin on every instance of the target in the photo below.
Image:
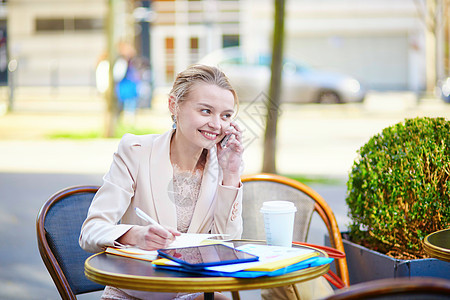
[209, 135]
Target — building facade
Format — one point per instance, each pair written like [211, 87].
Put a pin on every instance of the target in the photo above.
[55, 42]
[185, 31]
[380, 42]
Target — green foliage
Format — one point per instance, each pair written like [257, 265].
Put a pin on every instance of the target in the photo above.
[94, 134]
[399, 188]
[310, 179]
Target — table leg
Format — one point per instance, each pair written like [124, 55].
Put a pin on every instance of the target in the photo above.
[209, 296]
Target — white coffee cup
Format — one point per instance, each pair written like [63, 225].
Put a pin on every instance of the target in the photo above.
[279, 219]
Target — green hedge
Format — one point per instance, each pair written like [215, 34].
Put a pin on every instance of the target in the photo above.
[398, 190]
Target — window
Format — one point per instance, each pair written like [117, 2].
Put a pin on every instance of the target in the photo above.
[230, 40]
[170, 58]
[88, 24]
[68, 24]
[49, 25]
[194, 53]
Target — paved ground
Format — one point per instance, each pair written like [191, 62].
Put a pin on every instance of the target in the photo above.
[316, 141]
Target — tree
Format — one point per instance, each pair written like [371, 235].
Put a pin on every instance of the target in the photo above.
[110, 97]
[270, 143]
[432, 12]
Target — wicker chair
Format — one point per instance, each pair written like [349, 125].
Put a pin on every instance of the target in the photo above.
[58, 227]
[397, 288]
[259, 188]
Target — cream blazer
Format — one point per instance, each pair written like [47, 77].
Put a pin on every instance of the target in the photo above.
[141, 176]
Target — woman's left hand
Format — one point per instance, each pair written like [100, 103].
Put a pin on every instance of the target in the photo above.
[230, 156]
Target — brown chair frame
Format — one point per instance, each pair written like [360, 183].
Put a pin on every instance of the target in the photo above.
[383, 288]
[324, 211]
[48, 257]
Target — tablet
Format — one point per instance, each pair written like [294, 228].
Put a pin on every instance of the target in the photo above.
[206, 255]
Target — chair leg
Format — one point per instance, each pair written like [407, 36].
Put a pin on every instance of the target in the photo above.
[208, 296]
[297, 295]
[235, 295]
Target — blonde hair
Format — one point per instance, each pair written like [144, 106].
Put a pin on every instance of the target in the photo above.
[186, 79]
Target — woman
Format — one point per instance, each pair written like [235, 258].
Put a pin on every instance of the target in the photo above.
[184, 179]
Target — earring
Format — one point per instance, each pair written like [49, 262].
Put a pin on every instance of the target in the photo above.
[174, 119]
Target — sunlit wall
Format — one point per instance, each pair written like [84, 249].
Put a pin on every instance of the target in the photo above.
[380, 42]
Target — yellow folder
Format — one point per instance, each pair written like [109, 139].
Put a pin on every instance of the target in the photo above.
[133, 252]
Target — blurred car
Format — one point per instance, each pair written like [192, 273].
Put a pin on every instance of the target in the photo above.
[444, 89]
[301, 84]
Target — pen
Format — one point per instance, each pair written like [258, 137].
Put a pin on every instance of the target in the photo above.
[147, 218]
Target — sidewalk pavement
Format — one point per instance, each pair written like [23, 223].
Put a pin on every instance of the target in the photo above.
[26, 141]
[39, 113]
[313, 140]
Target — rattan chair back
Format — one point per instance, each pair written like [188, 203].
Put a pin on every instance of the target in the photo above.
[259, 188]
[58, 227]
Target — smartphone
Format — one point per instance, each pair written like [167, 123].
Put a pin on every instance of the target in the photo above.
[224, 141]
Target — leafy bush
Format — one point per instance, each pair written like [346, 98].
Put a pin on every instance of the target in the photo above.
[399, 188]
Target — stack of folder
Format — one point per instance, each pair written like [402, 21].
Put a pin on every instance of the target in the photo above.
[272, 261]
[269, 260]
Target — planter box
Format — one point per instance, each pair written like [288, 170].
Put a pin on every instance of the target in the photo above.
[366, 265]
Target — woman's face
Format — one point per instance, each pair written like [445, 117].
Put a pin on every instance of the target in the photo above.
[204, 115]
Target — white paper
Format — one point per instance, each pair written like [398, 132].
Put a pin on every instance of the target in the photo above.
[273, 252]
[191, 239]
[184, 240]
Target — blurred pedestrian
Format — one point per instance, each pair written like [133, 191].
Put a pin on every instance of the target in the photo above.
[145, 92]
[127, 80]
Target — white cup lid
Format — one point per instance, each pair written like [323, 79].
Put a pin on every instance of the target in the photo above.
[278, 207]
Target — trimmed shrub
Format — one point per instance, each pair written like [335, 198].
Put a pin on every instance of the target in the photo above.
[399, 188]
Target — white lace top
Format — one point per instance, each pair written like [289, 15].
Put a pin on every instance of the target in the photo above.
[186, 186]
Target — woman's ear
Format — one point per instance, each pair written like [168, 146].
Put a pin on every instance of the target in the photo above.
[172, 105]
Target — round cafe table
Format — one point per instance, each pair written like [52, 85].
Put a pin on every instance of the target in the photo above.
[128, 273]
[437, 244]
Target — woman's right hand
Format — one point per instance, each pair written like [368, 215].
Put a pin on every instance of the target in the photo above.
[149, 237]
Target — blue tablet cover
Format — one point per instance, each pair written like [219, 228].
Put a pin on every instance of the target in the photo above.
[199, 257]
